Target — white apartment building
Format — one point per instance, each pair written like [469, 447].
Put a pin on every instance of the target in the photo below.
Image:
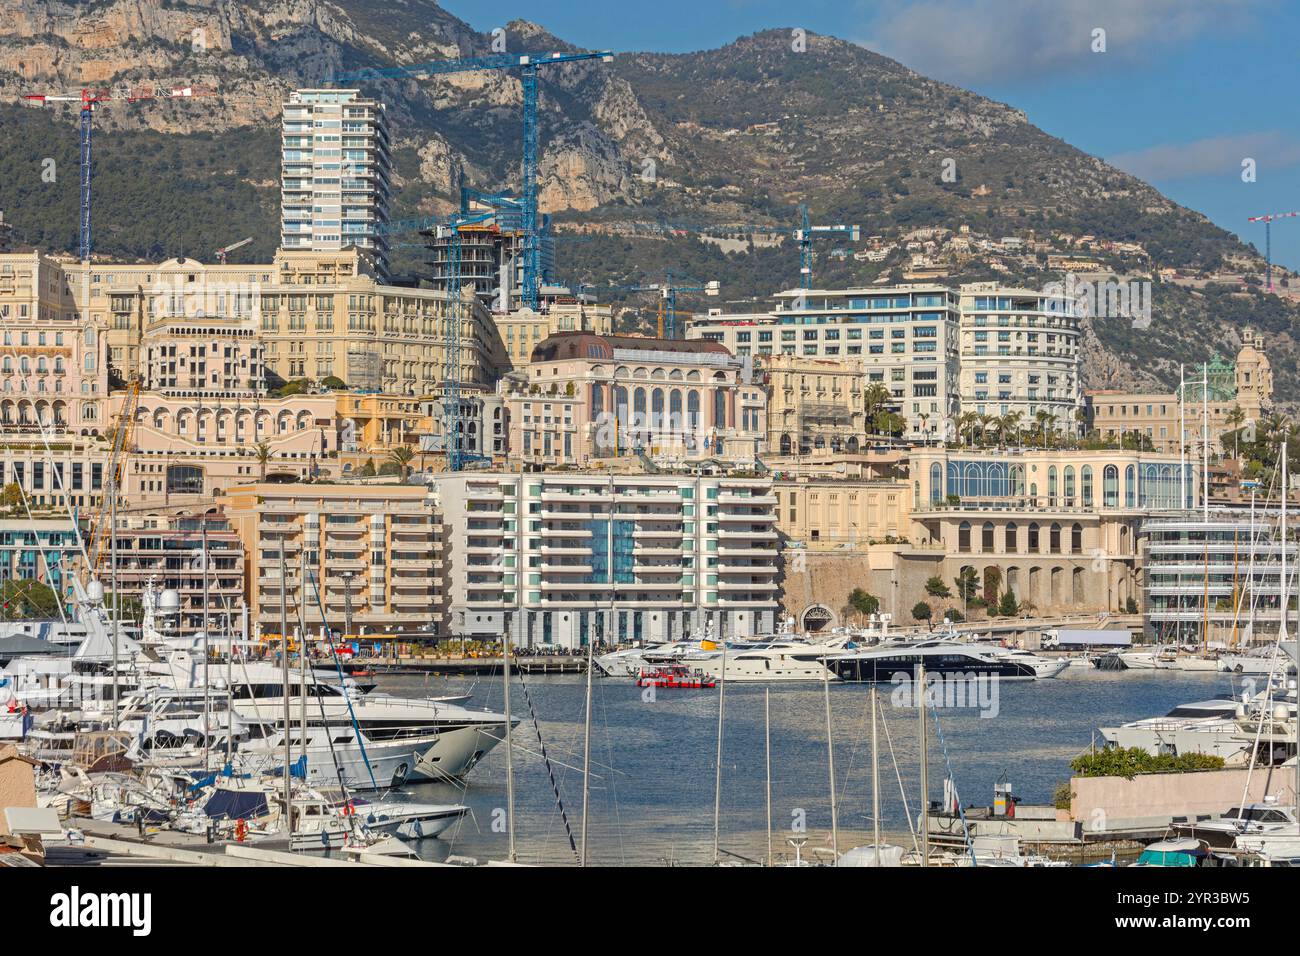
[336, 170]
[562, 559]
[906, 338]
[1019, 353]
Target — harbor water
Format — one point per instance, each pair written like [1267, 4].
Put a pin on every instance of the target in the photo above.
[653, 760]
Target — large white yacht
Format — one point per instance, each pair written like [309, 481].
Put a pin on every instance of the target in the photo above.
[944, 657]
[780, 659]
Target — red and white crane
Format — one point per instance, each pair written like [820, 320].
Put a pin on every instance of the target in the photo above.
[90, 100]
[1268, 241]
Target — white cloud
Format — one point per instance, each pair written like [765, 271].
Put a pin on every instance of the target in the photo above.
[1010, 41]
[1271, 149]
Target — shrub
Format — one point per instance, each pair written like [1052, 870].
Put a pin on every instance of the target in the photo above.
[1118, 762]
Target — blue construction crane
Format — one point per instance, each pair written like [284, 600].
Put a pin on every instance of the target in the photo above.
[90, 100]
[667, 290]
[805, 235]
[528, 65]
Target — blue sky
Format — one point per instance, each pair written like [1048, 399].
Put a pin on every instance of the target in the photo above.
[1183, 93]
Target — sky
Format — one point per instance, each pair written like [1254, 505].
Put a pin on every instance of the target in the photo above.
[1181, 93]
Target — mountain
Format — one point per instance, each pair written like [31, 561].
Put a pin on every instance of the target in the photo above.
[936, 175]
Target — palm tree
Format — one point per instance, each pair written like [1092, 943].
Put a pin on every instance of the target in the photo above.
[401, 456]
[263, 457]
[1045, 421]
[1011, 424]
[966, 424]
[875, 399]
[1235, 419]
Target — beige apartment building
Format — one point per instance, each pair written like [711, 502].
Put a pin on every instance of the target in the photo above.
[815, 406]
[370, 554]
[317, 315]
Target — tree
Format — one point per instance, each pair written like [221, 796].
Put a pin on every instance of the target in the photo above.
[401, 457]
[967, 585]
[1130, 606]
[922, 611]
[28, 598]
[263, 458]
[936, 588]
[367, 470]
[1009, 606]
[11, 496]
[334, 382]
[864, 603]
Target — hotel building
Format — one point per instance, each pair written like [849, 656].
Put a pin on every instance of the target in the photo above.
[316, 314]
[562, 559]
[1019, 354]
[906, 338]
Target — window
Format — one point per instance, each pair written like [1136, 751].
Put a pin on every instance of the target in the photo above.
[1110, 487]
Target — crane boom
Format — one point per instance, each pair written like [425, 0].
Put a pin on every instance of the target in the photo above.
[1268, 241]
[527, 64]
[90, 99]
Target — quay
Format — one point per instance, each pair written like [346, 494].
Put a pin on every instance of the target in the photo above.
[457, 666]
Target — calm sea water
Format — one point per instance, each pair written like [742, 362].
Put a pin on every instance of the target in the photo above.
[653, 762]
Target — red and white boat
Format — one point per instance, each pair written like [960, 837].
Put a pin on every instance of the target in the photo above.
[674, 675]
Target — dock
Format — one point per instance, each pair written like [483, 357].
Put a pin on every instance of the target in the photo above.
[468, 666]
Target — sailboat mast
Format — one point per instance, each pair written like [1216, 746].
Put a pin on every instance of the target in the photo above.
[1205, 441]
[284, 675]
[510, 749]
[112, 556]
[207, 654]
[925, 765]
[586, 748]
[1182, 443]
[830, 762]
[767, 750]
[717, 773]
[875, 779]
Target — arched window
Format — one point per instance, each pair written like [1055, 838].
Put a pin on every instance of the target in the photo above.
[1051, 487]
[1069, 486]
[936, 483]
[675, 409]
[785, 442]
[1130, 487]
[1033, 537]
[1076, 538]
[597, 401]
[719, 408]
[1054, 538]
[1012, 533]
[1110, 487]
[638, 410]
[986, 538]
[963, 537]
[693, 409]
[657, 409]
[1085, 482]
